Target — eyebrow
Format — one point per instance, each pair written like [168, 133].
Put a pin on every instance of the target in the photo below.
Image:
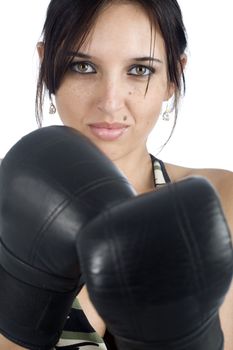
[137, 59]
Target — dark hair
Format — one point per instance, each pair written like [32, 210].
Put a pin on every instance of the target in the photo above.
[68, 23]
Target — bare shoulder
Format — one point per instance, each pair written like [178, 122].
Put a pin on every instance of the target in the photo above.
[219, 177]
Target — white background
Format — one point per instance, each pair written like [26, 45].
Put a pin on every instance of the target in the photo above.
[203, 136]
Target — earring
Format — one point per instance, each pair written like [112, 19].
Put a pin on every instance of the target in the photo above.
[52, 108]
[166, 114]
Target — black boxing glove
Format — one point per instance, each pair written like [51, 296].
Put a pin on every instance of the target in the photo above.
[157, 268]
[52, 183]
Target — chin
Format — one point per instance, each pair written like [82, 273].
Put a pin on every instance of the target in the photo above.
[112, 151]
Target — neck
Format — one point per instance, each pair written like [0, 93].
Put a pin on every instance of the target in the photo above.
[136, 166]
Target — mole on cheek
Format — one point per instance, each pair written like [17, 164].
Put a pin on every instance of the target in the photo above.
[130, 92]
[125, 118]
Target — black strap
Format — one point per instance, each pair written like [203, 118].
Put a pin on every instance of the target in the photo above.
[164, 171]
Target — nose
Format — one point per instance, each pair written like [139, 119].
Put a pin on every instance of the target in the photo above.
[111, 96]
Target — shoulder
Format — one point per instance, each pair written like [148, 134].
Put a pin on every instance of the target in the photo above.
[177, 172]
[221, 179]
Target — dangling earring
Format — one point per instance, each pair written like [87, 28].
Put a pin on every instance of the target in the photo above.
[52, 108]
[166, 114]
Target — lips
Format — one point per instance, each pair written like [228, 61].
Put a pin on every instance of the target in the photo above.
[105, 125]
[108, 132]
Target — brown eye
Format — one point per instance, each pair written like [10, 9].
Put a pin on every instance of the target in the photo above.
[142, 71]
[82, 67]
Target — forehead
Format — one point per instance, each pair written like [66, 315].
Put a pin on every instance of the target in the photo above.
[124, 29]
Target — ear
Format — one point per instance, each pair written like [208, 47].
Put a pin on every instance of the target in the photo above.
[171, 86]
[183, 61]
[170, 91]
[40, 50]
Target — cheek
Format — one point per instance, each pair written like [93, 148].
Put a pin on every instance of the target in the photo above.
[74, 98]
[147, 108]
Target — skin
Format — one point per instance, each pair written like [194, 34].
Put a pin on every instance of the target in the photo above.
[122, 32]
[112, 94]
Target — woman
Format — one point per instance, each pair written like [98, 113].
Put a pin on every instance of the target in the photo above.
[110, 66]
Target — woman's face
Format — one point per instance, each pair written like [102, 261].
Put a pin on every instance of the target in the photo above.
[103, 93]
